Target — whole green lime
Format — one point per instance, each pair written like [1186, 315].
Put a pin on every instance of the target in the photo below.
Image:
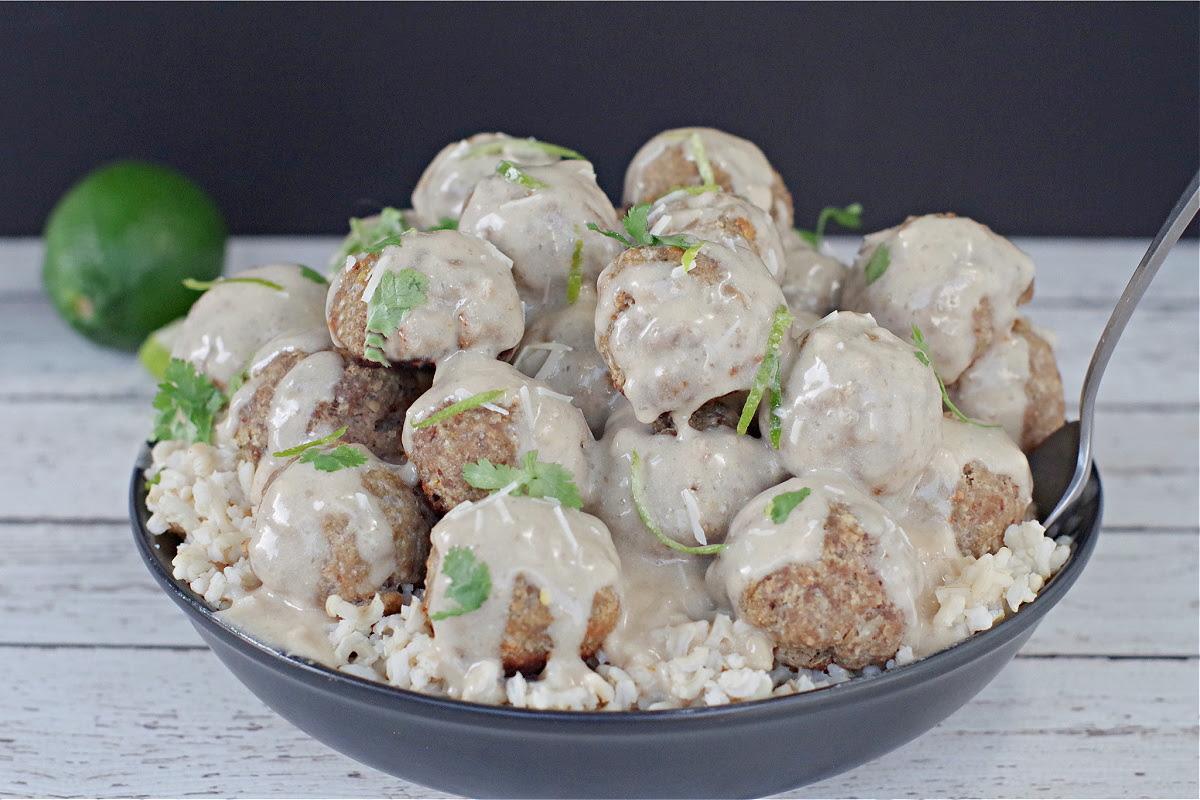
[120, 243]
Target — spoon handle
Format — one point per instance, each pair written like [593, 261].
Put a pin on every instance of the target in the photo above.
[1170, 232]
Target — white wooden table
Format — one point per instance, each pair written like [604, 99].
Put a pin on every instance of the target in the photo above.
[105, 690]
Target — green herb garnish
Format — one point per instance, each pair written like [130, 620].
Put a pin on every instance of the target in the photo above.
[459, 407]
[204, 286]
[702, 164]
[575, 276]
[313, 275]
[768, 377]
[339, 457]
[689, 256]
[366, 236]
[377, 248]
[510, 172]
[637, 225]
[154, 481]
[637, 482]
[922, 354]
[497, 147]
[187, 404]
[848, 217]
[298, 449]
[396, 295]
[534, 478]
[445, 224]
[880, 260]
[781, 505]
[470, 582]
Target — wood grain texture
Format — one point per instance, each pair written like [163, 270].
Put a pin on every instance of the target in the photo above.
[170, 724]
[1137, 597]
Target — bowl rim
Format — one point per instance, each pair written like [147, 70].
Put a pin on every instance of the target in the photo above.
[950, 659]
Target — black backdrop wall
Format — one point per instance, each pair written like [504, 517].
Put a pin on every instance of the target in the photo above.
[1037, 119]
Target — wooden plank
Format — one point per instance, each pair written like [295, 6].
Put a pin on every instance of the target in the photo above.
[71, 459]
[84, 584]
[1063, 727]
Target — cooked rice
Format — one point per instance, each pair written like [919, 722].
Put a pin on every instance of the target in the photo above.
[203, 492]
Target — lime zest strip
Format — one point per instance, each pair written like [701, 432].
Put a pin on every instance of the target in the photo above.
[510, 172]
[575, 277]
[702, 163]
[497, 147]
[204, 286]
[298, 449]
[459, 407]
[637, 482]
[767, 376]
[689, 256]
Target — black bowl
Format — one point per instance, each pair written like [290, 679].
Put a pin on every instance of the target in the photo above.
[741, 750]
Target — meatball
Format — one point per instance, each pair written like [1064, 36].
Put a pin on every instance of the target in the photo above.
[976, 485]
[438, 293]
[673, 338]
[232, 320]
[950, 276]
[554, 580]
[527, 416]
[668, 162]
[324, 392]
[446, 183]
[559, 349]
[694, 481]
[1015, 384]
[542, 229]
[719, 216]
[857, 401]
[834, 581]
[812, 281]
[353, 532]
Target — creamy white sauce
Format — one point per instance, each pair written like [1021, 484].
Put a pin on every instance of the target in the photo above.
[811, 281]
[993, 388]
[232, 321]
[710, 216]
[941, 269]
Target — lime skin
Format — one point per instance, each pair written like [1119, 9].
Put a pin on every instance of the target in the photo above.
[120, 243]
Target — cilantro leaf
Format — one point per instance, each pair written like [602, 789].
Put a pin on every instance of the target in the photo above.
[637, 225]
[396, 295]
[497, 147]
[470, 582]
[848, 217]
[204, 286]
[922, 354]
[610, 234]
[187, 404]
[363, 234]
[781, 505]
[377, 248]
[300, 448]
[533, 478]
[880, 260]
[768, 376]
[575, 276]
[445, 224]
[457, 408]
[637, 483]
[510, 172]
[340, 457]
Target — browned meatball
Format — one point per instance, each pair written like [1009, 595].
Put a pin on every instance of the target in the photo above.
[527, 644]
[345, 311]
[249, 419]
[983, 505]
[371, 402]
[832, 612]
[441, 451]
[1045, 411]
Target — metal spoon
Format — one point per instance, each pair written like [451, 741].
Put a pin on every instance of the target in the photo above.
[1073, 442]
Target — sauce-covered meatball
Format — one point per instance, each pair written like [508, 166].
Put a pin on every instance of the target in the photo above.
[812, 281]
[547, 583]
[671, 160]
[354, 532]
[1016, 384]
[524, 415]
[559, 349]
[950, 276]
[718, 216]
[834, 580]
[543, 228]
[419, 302]
[675, 338]
[448, 180]
[857, 401]
[977, 484]
[232, 320]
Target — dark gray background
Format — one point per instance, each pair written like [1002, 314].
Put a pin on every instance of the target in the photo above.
[1036, 119]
